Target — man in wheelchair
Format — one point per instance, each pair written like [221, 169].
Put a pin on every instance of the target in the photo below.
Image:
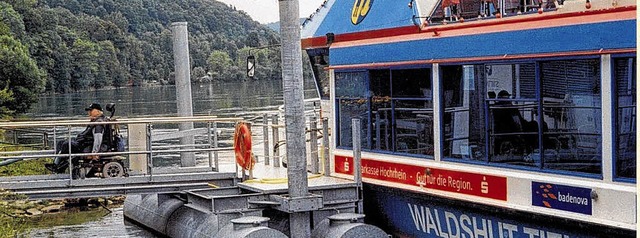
[94, 139]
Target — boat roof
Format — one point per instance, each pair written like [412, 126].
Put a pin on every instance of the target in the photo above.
[367, 20]
[336, 16]
[384, 33]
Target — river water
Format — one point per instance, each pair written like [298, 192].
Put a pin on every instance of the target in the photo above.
[241, 98]
[245, 99]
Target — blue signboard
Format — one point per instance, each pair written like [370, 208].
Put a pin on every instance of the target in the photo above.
[408, 216]
[561, 197]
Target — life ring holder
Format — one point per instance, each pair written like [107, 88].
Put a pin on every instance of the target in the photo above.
[242, 146]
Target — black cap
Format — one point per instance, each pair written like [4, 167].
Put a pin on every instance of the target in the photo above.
[93, 106]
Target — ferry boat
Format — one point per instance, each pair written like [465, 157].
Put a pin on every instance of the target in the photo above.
[483, 118]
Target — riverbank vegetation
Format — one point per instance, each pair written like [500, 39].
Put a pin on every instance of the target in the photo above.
[26, 167]
[18, 216]
[64, 46]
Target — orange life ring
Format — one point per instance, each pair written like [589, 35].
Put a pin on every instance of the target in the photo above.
[242, 146]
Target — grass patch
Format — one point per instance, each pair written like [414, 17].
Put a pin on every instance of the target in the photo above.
[13, 226]
[26, 167]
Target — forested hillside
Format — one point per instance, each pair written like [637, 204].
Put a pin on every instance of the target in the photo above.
[71, 45]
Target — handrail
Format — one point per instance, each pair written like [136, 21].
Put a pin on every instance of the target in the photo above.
[163, 120]
[36, 156]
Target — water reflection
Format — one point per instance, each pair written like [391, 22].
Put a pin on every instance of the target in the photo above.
[216, 98]
[110, 225]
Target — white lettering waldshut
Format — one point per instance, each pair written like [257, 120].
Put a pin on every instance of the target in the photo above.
[446, 224]
[568, 198]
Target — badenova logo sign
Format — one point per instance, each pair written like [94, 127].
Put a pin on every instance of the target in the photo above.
[561, 197]
[360, 10]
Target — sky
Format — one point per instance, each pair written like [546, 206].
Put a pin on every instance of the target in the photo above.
[266, 11]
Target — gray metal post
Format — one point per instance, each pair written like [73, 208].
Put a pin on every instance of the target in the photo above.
[357, 159]
[265, 135]
[215, 145]
[69, 158]
[183, 87]
[299, 223]
[150, 154]
[210, 140]
[55, 140]
[276, 141]
[325, 144]
[313, 144]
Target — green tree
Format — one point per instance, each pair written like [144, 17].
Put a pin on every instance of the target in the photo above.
[84, 64]
[108, 64]
[6, 96]
[96, 43]
[61, 72]
[220, 64]
[20, 77]
[197, 74]
[13, 20]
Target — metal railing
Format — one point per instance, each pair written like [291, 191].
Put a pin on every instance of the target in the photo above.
[208, 145]
[159, 137]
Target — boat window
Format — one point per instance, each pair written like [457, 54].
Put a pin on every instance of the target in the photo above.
[458, 10]
[352, 101]
[381, 113]
[464, 116]
[411, 101]
[319, 61]
[625, 81]
[567, 103]
[395, 107]
[512, 113]
[571, 104]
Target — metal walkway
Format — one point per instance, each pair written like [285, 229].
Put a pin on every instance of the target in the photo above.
[151, 143]
[59, 186]
[152, 154]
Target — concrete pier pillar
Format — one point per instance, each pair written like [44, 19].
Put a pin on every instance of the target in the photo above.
[294, 113]
[137, 142]
[183, 87]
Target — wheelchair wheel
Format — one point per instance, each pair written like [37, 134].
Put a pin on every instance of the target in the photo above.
[112, 170]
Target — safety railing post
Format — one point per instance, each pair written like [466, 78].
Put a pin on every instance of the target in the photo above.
[313, 146]
[45, 137]
[149, 151]
[210, 140]
[69, 154]
[325, 145]
[276, 141]
[215, 145]
[265, 135]
[55, 140]
[357, 163]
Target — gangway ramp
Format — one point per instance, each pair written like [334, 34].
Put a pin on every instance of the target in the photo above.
[60, 186]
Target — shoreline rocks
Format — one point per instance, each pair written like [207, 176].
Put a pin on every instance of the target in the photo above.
[22, 208]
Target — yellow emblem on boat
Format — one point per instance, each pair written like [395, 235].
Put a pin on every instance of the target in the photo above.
[360, 10]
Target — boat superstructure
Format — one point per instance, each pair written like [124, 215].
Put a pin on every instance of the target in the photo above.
[484, 118]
